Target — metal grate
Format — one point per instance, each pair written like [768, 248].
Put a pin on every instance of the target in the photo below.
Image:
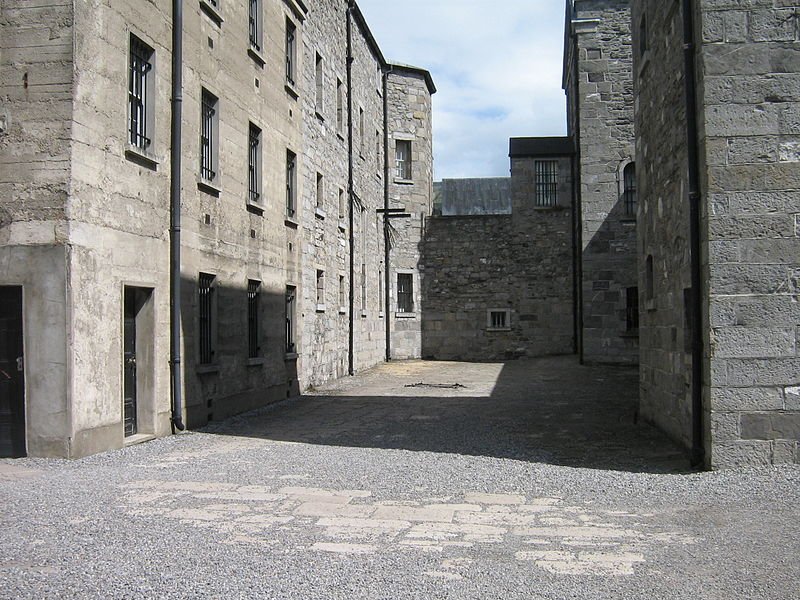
[140, 68]
[205, 317]
[291, 163]
[207, 141]
[546, 172]
[629, 193]
[253, 289]
[255, 34]
[253, 179]
[405, 293]
[290, 306]
[498, 319]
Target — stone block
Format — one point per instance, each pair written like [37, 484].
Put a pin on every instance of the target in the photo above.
[741, 453]
[746, 399]
[771, 426]
[746, 342]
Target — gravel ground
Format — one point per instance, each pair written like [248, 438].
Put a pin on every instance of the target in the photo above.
[413, 480]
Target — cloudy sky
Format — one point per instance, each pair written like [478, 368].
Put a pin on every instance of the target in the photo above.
[497, 68]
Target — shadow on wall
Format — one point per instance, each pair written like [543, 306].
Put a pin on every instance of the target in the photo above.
[548, 410]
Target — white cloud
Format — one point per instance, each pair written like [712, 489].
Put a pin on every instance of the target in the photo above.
[497, 68]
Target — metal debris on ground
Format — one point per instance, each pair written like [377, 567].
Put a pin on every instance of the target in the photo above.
[438, 386]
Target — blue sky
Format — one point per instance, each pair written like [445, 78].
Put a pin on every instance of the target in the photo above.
[497, 68]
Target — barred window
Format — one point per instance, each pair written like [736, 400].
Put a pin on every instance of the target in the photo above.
[403, 159]
[254, 165]
[291, 180]
[141, 96]
[629, 189]
[405, 293]
[546, 182]
[291, 298]
[253, 293]
[209, 127]
[291, 51]
[206, 317]
[255, 24]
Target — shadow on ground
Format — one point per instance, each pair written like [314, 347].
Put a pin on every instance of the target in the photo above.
[549, 410]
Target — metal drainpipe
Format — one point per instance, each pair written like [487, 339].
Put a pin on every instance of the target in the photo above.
[695, 195]
[350, 339]
[386, 274]
[175, 216]
[578, 202]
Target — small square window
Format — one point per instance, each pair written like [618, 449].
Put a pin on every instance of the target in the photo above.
[498, 319]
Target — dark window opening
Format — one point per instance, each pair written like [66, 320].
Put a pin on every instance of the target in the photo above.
[206, 307]
[291, 166]
[291, 33]
[254, 165]
[140, 93]
[632, 309]
[253, 347]
[255, 24]
[405, 293]
[208, 136]
[546, 182]
[629, 189]
[291, 293]
[498, 319]
[649, 289]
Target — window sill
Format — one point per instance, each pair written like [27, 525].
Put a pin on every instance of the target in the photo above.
[212, 12]
[401, 181]
[342, 310]
[340, 135]
[319, 213]
[209, 188]
[290, 356]
[650, 305]
[380, 315]
[551, 208]
[342, 226]
[319, 115]
[633, 334]
[405, 315]
[255, 207]
[207, 369]
[289, 87]
[255, 362]
[496, 329]
[141, 158]
[363, 314]
[290, 222]
[628, 220]
[256, 56]
[320, 308]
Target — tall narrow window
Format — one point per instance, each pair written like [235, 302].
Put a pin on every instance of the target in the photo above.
[380, 288]
[209, 139]
[342, 204]
[291, 33]
[546, 182]
[255, 25]
[378, 153]
[339, 106]
[206, 314]
[320, 83]
[291, 297]
[405, 293]
[363, 286]
[632, 309]
[629, 193]
[342, 293]
[253, 292]
[141, 97]
[403, 159]
[320, 191]
[291, 181]
[361, 132]
[254, 165]
[320, 288]
[649, 278]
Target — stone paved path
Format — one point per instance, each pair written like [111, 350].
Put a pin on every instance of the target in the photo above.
[413, 480]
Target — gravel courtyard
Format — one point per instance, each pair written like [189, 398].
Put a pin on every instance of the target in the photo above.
[529, 479]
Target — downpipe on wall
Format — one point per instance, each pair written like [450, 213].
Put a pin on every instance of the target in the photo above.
[175, 217]
[695, 196]
[386, 254]
[350, 190]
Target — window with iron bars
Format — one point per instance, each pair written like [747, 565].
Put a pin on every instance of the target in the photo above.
[253, 293]
[255, 24]
[405, 293]
[206, 309]
[632, 309]
[291, 34]
[546, 182]
[291, 178]
[140, 94]
[254, 165]
[629, 189]
[291, 294]
[403, 159]
[208, 136]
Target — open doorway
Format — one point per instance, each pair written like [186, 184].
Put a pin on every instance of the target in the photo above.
[12, 374]
[138, 373]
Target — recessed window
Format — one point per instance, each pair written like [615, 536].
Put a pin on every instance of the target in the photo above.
[498, 319]
[546, 182]
[339, 106]
[289, 313]
[403, 159]
[141, 94]
[291, 184]
[648, 278]
[342, 292]
[207, 308]
[291, 51]
[209, 136]
[254, 165]
[255, 25]
[378, 153]
[629, 189]
[253, 341]
[363, 286]
[643, 35]
[320, 288]
[405, 293]
[632, 309]
[320, 84]
[361, 131]
[342, 204]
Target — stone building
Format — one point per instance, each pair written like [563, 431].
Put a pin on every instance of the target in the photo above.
[598, 83]
[296, 132]
[719, 180]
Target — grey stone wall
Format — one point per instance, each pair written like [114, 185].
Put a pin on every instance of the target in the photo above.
[600, 114]
[485, 196]
[521, 263]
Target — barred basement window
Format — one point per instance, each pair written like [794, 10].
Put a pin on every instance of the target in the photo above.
[546, 182]
[289, 313]
[405, 293]
[403, 159]
[255, 24]
[291, 33]
[629, 189]
[253, 347]
[209, 127]
[254, 165]
[141, 94]
[206, 317]
[498, 319]
[632, 309]
[291, 179]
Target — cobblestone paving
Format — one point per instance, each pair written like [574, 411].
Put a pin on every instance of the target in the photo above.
[413, 480]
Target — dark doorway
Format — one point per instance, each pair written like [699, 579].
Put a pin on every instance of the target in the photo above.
[138, 373]
[12, 374]
[129, 363]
